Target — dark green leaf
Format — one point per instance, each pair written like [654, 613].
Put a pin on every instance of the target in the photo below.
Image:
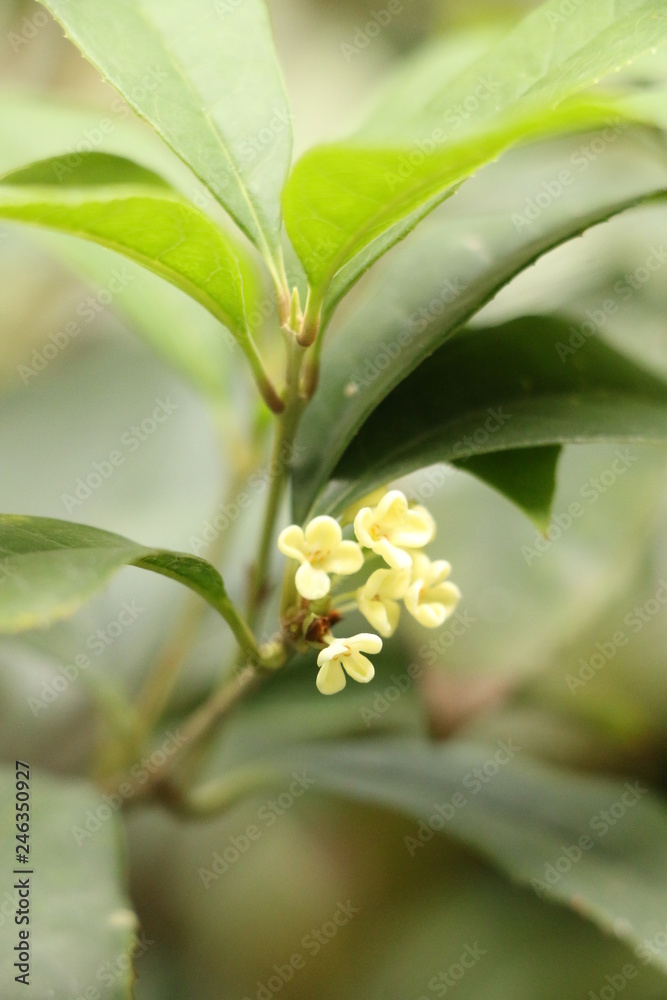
[384, 341]
[518, 385]
[526, 476]
[524, 817]
[49, 568]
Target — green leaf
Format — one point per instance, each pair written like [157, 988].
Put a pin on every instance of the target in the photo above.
[81, 921]
[384, 341]
[514, 386]
[205, 77]
[49, 568]
[550, 55]
[526, 476]
[522, 816]
[127, 208]
[342, 198]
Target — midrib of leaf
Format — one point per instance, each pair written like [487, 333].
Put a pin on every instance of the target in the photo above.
[265, 249]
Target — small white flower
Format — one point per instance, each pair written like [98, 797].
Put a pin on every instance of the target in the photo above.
[378, 598]
[370, 500]
[321, 550]
[429, 598]
[393, 526]
[346, 656]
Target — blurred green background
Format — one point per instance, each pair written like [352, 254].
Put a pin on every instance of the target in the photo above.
[499, 671]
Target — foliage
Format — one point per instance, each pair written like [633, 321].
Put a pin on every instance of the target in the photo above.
[239, 259]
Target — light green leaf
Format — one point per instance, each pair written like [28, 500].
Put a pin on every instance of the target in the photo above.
[205, 76]
[342, 198]
[127, 208]
[549, 56]
[522, 816]
[518, 385]
[82, 928]
[384, 341]
[49, 568]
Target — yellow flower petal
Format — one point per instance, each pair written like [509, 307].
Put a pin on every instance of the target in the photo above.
[358, 667]
[346, 559]
[392, 555]
[291, 542]
[323, 534]
[370, 500]
[365, 642]
[382, 615]
[313, 584]
[417, 530]
[330, 678]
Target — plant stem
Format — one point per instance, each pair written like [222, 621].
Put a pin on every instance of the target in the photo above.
[194, 728]
[311, 319]
[288, 423]
[218, 796]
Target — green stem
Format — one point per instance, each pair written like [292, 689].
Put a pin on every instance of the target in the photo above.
[311, 319]
[264, 383]
[195, 727]
[279, 468]
[219, 796]
[216, 596]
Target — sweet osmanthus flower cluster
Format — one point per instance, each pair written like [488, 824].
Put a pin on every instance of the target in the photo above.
[390, 531]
